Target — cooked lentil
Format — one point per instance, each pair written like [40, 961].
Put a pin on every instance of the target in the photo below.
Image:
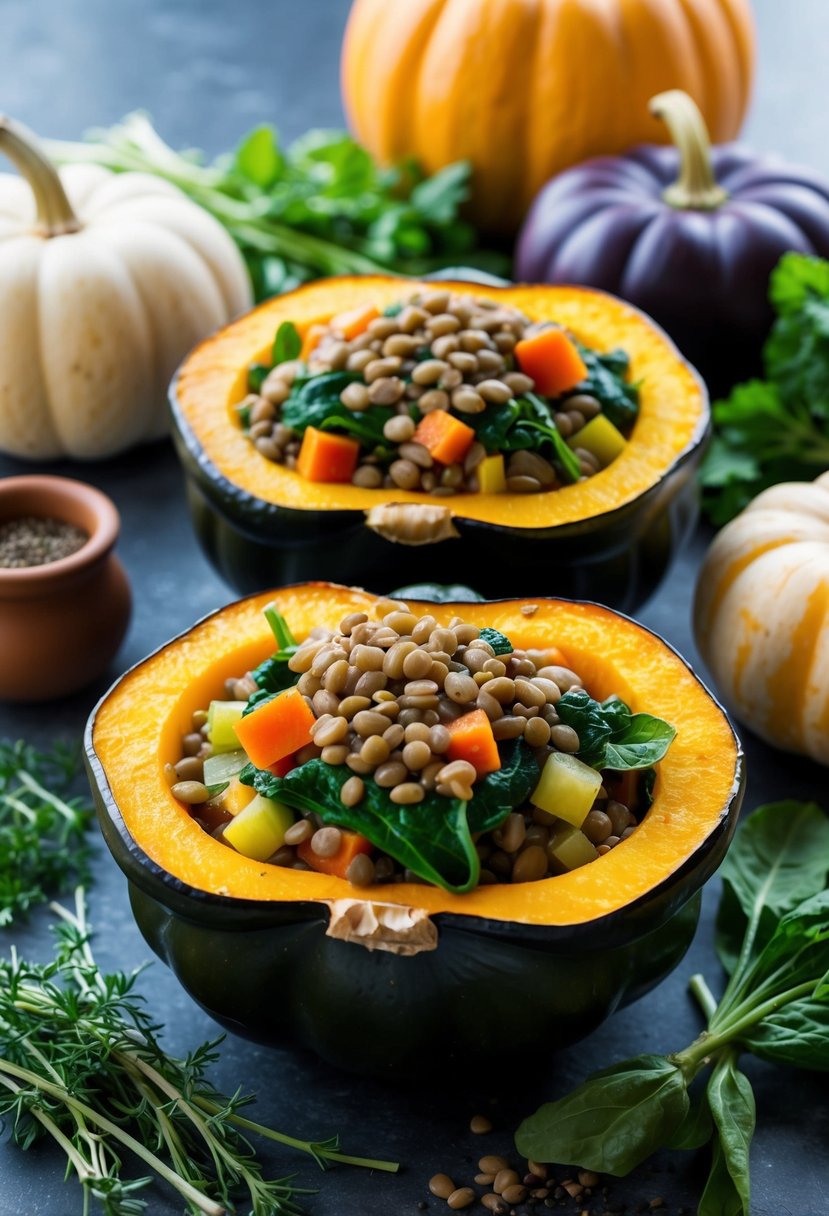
[35, 541]
[384, 693]
[416, 360]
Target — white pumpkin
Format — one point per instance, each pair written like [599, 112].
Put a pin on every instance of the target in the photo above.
[761, 616]
[106, 282]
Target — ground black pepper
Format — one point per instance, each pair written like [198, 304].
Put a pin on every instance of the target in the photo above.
[35, 541]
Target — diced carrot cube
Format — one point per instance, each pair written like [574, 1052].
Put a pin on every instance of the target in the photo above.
[352, 844]
[445, 436]
[276, 728]
[473, 740]
[327, 457]
[354, 322]
[552, 360]
[310, 339]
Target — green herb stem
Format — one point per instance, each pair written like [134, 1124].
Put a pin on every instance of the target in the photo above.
[705, 997]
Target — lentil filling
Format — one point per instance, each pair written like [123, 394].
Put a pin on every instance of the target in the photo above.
[442, 393]
[397, 749]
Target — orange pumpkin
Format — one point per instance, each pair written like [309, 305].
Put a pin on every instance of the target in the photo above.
[524, 88]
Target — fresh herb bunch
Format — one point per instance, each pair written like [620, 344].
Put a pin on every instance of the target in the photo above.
[319, 206]
[773, 941]
[43, 850]
[777, 429]
[81, 1061]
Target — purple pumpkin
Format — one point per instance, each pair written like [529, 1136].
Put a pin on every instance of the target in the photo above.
[688, 235]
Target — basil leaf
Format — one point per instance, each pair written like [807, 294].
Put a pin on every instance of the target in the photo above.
[779, 858]
[611, 1123]
[287, 343]
[433, 838]
[499, 642]
[610, 736]
[731, 1100]
[798, 950]
[607, 382]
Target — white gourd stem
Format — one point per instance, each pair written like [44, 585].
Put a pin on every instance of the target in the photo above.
[55, 216]
[696, 188]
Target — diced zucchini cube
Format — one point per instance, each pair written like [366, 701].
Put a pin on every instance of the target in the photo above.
[567, 788]
[222, 716]
[570, 847]
[259, 830]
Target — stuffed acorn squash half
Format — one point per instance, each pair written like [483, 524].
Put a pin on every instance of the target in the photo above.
[382, 431]
[414, 834]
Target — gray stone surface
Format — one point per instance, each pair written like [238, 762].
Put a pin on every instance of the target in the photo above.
[208, 70]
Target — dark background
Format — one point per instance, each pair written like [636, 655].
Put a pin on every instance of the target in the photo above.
[208, 70]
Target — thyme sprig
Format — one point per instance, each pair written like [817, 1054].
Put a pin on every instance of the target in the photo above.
[43, 849]
[81, 1061]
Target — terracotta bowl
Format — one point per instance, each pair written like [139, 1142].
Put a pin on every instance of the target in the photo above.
[61, 623]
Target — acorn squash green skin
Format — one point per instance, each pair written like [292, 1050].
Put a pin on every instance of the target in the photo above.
[618, 558]
[268, 971]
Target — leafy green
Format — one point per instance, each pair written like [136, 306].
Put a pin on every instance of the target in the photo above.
[274, 675]
[499, 642]
[433, 838]
[82, 1062]
[731, 1101]
[611, 1123]
[607, 381]
[319, 206]
[610, 735]
[777, 429]
[783, 859]
[43, 846]
[315, 401]
[773, 933]
[521, 424]
[287, 344]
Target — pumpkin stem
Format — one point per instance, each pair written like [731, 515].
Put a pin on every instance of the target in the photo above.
[54, 211]
[696, 188]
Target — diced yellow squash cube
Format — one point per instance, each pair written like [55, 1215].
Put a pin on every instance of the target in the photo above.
[222, 716]
[491, 476]
[570, 847]
[259, 830]
[567, 788]
[601, 438]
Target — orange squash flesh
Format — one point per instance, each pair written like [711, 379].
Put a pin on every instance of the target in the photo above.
[673, 408]
[138, 727]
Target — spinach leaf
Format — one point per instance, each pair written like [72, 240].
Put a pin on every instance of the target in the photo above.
[257, 375]
[610, 736]
[731, 1100]
[499, 642]
[695, 1129]
[779, 859]
[287, 343]
[524, 423]
[797, 1034]
[315, 401]
[433, 838]
[607, 382]
[612, 1122]
[720, 1196]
